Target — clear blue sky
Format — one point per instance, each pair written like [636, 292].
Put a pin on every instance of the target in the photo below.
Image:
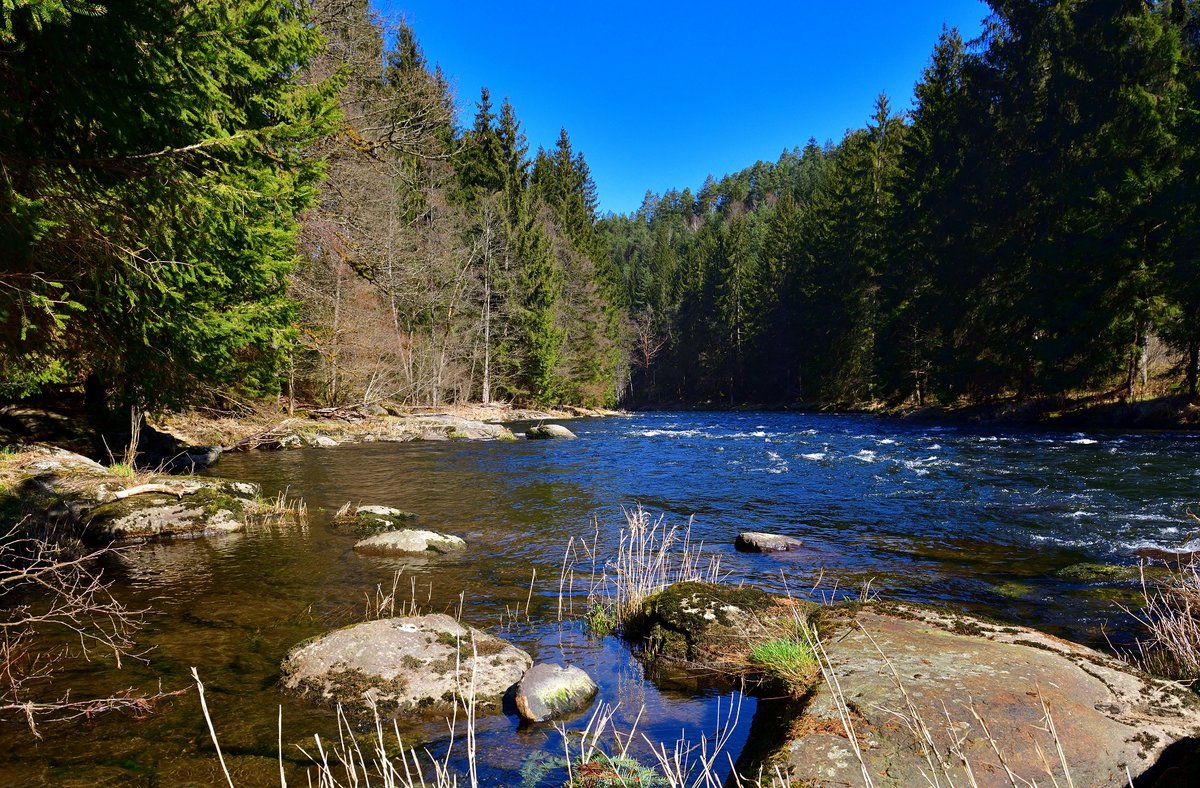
[660, 94]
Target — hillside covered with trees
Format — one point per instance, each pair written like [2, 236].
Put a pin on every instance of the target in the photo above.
[1029, 229]
[215, 202]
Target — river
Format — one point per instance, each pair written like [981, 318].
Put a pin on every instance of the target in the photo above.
[976, 518]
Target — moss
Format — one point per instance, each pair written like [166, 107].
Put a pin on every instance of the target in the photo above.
[1011, 589]
[349, 686]
[1085, 572]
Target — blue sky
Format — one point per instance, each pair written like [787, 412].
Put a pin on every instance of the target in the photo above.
[660, 94]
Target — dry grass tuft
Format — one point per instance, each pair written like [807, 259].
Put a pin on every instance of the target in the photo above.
[650, 556]
[1171, 618]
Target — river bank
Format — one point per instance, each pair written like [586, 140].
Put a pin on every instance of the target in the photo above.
[1106, 412]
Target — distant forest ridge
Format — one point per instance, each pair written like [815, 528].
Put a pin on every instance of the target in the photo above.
[1030, 228]
[213, 201]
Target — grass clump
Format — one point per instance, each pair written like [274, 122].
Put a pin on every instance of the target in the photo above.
[1171, 619]
[786, 660]
[122, 469]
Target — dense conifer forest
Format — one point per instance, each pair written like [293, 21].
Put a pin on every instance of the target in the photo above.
[215, 202]
[1030, 228]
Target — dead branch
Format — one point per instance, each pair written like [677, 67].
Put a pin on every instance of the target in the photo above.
[142, 489]
[44, 595]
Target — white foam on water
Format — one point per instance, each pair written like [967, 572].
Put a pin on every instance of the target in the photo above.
[887, 442]
[865, 455]
[816, 455]
[1083, 441]
[666, 433]
[1190, 546]
[1080, 513]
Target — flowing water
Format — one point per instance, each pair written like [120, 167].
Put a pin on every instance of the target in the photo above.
[974, 518]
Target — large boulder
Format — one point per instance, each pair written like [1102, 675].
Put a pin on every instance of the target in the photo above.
[411, 662]
[409, 540]
[907, 671]
[548, 691]
[711, 627]
[546, 431]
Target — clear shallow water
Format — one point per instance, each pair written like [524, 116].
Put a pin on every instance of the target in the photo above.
[972, 518]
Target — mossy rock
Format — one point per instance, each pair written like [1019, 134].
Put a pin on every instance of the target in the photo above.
[207, 511]
[715, 626]
[1087, 572]
[413, 663]
[370, 520]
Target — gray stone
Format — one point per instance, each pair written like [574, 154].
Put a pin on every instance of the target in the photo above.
[1107, 717]
[367, 520]
[324, 441]
[207, 511]
[545, 431]
[409, 540]
[411, 662]
[754, 542]
[548, 691]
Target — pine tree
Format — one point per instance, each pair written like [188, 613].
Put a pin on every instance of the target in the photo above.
[155, 165]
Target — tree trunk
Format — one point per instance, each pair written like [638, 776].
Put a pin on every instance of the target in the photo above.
[1193, 366]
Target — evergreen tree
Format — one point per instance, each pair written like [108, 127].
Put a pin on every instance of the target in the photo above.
[155, 164]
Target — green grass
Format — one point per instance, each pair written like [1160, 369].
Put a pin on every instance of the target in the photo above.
[122, 469]
[600, 620]
[787, 660]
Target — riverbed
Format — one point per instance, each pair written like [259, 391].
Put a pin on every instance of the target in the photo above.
[975, 518]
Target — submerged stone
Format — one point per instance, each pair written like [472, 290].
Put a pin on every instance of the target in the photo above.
[548, 691]
[1086, 572]
[410, 662]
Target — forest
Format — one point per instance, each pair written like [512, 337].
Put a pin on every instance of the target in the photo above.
[217, 202]
[1029, 229]
[224, 201]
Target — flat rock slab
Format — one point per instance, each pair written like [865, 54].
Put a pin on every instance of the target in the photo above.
[1106, 717]
[409, 540]
[548, 691]
[411, 662]
[755, 542]
[373, 520]
[205, 508]
[546, 431]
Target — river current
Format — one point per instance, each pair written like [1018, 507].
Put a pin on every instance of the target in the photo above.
[980, 519]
